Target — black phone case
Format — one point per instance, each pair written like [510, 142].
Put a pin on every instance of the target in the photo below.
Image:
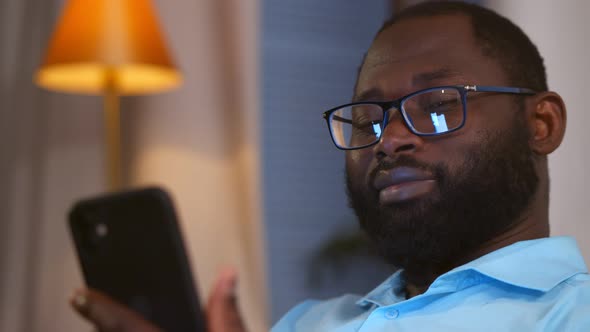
[130, 247]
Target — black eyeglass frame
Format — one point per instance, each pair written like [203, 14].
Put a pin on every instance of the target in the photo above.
[397, 104]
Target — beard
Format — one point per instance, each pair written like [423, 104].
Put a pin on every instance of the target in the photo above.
[471, 205]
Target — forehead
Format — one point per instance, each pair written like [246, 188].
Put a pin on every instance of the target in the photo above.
[421, 52]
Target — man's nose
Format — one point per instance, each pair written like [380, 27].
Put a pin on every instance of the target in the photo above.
[397, 138]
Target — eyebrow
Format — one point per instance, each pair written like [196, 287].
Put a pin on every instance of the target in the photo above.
[372, 93]
[419, 79]
[440, 73]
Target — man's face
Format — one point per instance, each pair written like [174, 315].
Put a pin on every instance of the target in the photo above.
[432, 200]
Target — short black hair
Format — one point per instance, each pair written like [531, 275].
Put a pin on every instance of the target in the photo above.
[498, 37]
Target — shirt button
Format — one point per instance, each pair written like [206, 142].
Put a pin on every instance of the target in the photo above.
[391, 314]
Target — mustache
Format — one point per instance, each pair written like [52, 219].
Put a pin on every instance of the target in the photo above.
[405, 161]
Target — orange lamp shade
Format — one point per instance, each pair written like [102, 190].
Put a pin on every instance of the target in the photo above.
[103, 46]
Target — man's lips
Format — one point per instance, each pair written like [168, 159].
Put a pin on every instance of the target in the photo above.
[402, 183]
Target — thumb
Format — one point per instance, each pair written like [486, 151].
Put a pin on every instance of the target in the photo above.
[222, 309]
[108, 315]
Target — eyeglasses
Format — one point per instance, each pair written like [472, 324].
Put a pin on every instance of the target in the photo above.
[429, 112]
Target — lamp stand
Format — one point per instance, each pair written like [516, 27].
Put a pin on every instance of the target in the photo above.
[112, 122]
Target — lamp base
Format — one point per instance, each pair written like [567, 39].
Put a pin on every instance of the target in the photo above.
[112, 122]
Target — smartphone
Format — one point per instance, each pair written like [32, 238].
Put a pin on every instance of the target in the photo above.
[130, 247]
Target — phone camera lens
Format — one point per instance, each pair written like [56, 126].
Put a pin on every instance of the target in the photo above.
[101, 230]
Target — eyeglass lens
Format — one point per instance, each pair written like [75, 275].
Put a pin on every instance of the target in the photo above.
[430, 112]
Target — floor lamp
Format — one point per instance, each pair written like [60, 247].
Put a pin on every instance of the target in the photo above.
[109, 48]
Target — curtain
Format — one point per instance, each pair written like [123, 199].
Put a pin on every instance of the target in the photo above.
[200, 142]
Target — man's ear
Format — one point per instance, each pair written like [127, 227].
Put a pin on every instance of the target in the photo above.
[547, 120]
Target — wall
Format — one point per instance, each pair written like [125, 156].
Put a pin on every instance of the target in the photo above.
[200, 142]
[560, 29]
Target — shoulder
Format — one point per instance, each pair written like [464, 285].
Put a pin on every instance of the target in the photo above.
[575, 289]
[571, 308]
[314, 315]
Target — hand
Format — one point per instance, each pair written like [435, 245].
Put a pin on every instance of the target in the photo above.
[109, 316]
[222, 309]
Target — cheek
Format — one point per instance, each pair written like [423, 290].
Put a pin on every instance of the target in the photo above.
[469, 151]
[357, 165]
[452, 152]
[493, 114]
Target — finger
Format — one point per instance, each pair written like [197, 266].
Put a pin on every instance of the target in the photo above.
[222, 309]
[108, 315]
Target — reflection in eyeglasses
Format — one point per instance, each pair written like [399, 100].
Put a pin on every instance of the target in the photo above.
[440, 124]
[377, 129]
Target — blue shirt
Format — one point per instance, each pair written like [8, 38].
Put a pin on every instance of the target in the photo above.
[537, 285]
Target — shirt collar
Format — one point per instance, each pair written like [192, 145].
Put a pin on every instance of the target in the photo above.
[539, 265]
[392, 290]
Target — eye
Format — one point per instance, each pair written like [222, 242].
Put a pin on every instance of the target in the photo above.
[441, 105]
[365, 118]
[367, 127]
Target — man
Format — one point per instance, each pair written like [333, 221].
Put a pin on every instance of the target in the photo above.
[446, 145]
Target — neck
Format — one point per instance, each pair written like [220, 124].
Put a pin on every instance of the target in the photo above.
[533, 224]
